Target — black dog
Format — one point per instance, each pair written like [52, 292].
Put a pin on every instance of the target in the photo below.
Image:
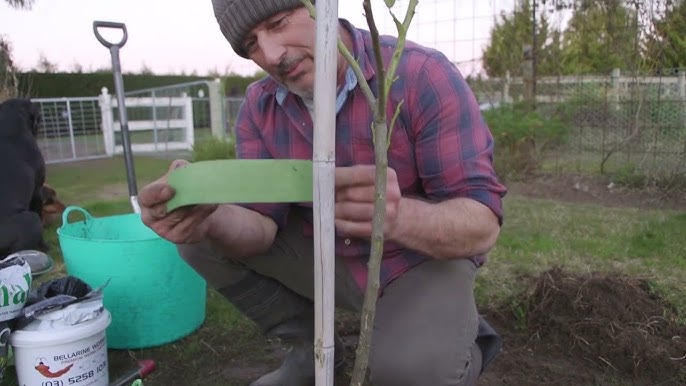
[22, 174]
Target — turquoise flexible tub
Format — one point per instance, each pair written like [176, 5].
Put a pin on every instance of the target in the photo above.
[154, 297]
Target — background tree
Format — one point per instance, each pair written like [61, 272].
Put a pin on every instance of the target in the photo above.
[77, 67]
[665, 45]
[599, 37]
[508, 37]
[146, 70]
[8, 78]
[44, 65]
[20, 3]
[653, 34]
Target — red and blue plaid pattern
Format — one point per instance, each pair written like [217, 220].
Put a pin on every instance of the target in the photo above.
[441, 148]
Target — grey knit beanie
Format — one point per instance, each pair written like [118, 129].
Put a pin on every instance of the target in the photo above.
[237, 17]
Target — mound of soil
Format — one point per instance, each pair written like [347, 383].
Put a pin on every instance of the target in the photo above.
[565, 329]
[588, 329]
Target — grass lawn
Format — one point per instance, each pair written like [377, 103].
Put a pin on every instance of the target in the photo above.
[101, 180]
[537, 235]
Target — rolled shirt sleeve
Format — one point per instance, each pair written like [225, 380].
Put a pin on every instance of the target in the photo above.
[453, 144]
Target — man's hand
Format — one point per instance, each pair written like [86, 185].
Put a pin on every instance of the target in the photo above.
[355, 201]
[183, 225]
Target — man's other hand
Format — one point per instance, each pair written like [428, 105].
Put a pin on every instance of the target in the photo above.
[355, 201]
[185, 225]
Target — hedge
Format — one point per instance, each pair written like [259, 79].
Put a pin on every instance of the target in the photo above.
[58, 85]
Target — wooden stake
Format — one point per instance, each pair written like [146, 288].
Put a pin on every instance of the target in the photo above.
[324, 163]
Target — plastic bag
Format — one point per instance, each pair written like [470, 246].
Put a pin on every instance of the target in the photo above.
[15, 283]
[71, 295]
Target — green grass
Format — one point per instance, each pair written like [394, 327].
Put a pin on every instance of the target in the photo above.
[101, 180]
[539, 234]
[213, 148]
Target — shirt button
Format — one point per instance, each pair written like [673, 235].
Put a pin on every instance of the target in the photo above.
[347, 241]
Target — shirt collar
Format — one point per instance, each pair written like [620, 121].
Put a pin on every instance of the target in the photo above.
[350, 83]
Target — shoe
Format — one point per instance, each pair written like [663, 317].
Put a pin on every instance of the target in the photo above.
[297, 368]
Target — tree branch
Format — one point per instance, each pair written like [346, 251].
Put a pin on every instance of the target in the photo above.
[381, 138]
[381, 135]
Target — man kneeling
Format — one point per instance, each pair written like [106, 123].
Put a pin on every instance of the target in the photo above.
[443, 200]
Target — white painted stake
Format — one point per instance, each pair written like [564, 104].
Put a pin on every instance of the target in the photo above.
[324, 163]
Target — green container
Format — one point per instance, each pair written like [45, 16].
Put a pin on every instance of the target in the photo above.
[153, 295]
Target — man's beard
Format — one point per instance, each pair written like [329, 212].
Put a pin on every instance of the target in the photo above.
[305, 94]
[284, 67]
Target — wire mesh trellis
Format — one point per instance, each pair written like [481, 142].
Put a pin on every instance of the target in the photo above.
[619, 123]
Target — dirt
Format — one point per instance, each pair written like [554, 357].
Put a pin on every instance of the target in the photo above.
[598, 190]
[563, 329]
[588, 329]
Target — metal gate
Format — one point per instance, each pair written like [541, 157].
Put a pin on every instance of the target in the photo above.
[71, 130]
[167, 119]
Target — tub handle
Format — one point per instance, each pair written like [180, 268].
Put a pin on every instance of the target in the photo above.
[65, 215]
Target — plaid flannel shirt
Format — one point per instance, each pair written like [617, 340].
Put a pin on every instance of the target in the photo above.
[440, 148]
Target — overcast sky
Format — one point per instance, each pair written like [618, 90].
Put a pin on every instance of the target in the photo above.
[174, 36]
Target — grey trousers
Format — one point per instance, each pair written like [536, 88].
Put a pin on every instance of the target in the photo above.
[426, 320]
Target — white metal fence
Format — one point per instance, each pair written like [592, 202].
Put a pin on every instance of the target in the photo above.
[615, 87]
[159, 124]
[165, 119]
[85, 128]
[72, 129]
[617, 121]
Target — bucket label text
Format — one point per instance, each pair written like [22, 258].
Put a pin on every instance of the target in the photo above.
[15, 283]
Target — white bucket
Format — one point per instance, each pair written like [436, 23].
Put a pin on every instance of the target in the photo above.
[69, 355]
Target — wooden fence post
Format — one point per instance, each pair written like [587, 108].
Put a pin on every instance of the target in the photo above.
[682, 97]
[323, 178]
[217, 108]
[616, 89]
[188, 116]
[528, 74]
[107, 121]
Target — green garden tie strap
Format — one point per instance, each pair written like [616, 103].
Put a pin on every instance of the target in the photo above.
[241, 181]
